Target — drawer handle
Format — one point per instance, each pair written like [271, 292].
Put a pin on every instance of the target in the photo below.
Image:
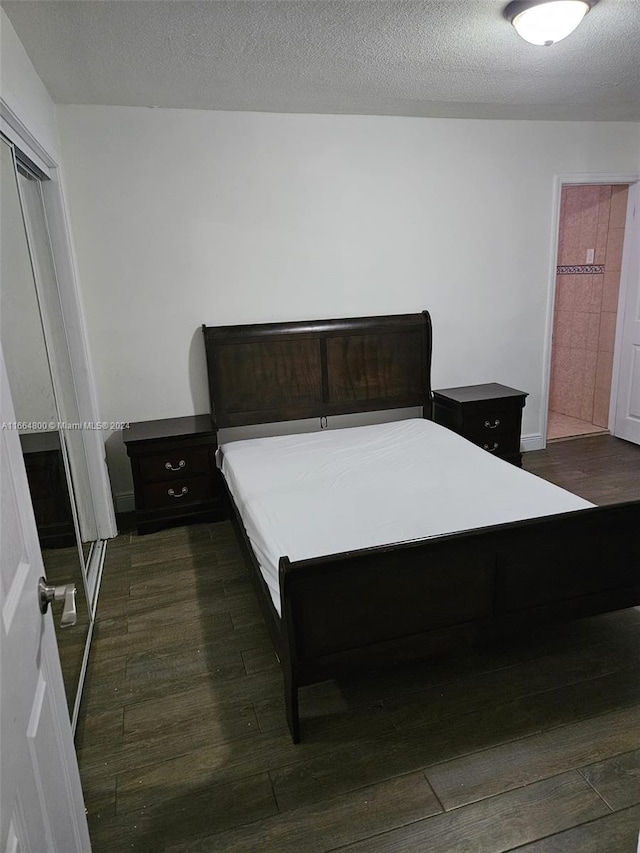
[182, 493]
[493, 425]
[169, 466]
[491, 449]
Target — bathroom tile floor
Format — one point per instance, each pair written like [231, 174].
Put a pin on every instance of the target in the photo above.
[563, 426]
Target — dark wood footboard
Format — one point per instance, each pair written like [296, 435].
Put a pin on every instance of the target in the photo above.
[390, 603]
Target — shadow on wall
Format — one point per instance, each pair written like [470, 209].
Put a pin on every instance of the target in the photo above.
[116, 454]
[198, 384]
[119, 471]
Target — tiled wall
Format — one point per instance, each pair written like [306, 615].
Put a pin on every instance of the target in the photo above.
[591, 217]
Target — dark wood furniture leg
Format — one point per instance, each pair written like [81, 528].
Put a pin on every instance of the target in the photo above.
[291, 706]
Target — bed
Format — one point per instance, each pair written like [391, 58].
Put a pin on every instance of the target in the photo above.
[374, 544]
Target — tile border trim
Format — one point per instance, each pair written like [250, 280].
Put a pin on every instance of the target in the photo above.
[581, 269]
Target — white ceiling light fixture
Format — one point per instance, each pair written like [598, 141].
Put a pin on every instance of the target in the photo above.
[544, 22]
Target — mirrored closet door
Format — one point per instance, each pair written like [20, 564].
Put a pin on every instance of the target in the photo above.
[43, 393]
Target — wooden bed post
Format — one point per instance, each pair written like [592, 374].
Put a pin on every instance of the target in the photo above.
[291, 705]
[289, 656]
[427, 408]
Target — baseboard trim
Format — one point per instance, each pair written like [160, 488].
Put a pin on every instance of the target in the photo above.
[125, 502]
[532, 442]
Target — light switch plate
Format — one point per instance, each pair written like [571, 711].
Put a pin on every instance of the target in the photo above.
[590, 255]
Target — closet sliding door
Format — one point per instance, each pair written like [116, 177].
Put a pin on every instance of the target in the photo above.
[42, 387]
[55, 335]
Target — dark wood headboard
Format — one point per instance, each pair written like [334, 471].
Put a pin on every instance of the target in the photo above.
[287, 371]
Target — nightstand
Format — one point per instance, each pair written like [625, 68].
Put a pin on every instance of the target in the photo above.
[488, 415]
[47, 480]
[175, 478]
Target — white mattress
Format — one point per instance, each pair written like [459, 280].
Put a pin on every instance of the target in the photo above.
[326, 492]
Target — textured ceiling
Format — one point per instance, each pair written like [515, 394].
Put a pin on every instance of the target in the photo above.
[455, 58]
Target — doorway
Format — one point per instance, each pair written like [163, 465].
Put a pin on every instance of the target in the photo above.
[588, 265]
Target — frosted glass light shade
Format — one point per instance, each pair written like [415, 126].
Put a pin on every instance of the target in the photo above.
[547, 23]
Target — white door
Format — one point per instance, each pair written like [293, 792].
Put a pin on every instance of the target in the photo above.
[627, 410]
[41, 804]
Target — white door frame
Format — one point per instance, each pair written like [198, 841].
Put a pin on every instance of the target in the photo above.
[631, 249]
[558, 182]
[72, 311]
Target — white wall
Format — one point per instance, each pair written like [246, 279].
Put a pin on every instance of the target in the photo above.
[184, 217]
[23, 91]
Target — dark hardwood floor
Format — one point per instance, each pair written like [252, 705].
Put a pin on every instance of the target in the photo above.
[532, 744]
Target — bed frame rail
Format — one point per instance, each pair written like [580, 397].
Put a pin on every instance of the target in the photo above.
[450, 589]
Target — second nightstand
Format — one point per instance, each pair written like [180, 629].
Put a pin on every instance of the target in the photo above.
[44, 465]
[175, 478]
[488, 415]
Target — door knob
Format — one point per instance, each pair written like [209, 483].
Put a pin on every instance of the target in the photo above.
[47, 594]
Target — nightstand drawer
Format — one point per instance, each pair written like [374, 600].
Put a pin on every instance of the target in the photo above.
[498, 444]
[175, 464]
[486, 425]
[178, 492]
